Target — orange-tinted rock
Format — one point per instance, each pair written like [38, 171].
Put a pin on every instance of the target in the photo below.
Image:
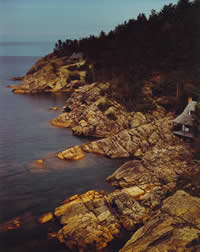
[11, 225]
[74, 153]
[52, 236]
[90, 223]
[46, 217]
[61, 124]
[175, 227]
[40, 161]
[26, 221]
[54, 108]
[21, 91]
[16, 78]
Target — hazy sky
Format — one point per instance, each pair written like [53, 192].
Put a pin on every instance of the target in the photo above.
[50, 20]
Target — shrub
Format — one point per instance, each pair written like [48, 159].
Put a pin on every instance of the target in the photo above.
[89, 78]
[78, 84]
[73, 76]
[84, 67]
[73, 68]
[104, 106]
[67, 109]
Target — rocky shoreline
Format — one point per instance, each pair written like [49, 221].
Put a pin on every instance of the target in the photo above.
[147, 202]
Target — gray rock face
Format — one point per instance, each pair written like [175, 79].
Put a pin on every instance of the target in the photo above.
[161, 166]
[91, 114]
[135, 142]
[175, 227]
[91, 111]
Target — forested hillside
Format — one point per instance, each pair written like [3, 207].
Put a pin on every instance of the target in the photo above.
[166, 44]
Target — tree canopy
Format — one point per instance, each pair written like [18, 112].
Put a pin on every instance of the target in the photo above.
[165, 41]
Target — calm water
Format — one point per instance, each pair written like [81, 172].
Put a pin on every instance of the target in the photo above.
[25, 136]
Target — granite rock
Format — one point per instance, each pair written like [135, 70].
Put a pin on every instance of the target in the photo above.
[92, 220]
[174, 227]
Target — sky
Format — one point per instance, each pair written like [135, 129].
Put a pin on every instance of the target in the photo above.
[50, 20]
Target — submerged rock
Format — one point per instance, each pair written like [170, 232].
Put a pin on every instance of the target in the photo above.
[26, 221]
[54, 108]
[40, 161]
[17, 78]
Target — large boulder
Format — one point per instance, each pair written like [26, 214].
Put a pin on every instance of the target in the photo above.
[158, 165]
[92, 220]
[175, 227]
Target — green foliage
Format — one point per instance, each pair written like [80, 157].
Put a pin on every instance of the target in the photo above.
[89, 78]
[83, 67]
[73, 68]
[166, 41]
[145, 105]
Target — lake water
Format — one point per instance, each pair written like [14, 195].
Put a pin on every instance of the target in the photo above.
[25, 136]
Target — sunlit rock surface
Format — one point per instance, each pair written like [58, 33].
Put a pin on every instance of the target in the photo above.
[174, 227]
[46, 218]
[136, 142]
[74, 153]
[92, 220]
[158, 165]
[52, 74]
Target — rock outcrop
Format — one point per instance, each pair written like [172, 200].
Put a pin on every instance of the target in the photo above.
[92, 220]
[91, 111]
[19, 78]
[74, 153]
[135, 142]
[52, 74]
[159, 165]
[175, 227]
